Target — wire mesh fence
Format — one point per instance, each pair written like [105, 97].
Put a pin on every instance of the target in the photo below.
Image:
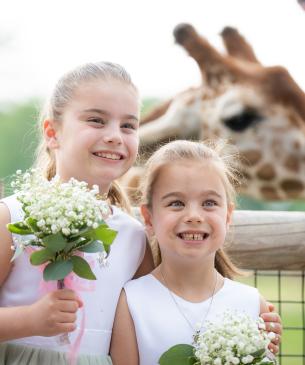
[286, 290]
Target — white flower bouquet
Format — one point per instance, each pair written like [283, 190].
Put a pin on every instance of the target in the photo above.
[236, 339]
[66, 219]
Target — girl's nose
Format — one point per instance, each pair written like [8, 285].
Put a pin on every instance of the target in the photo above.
[194, 215]
[112, 135]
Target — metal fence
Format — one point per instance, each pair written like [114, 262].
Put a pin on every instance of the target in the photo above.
[286, 290]
[272, 245]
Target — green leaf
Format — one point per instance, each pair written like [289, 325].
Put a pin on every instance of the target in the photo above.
[80, 233]
[34, 242]
[82, 241]
[18, 251]
[258, 353]
[41, 256]
[82, 268]
[19, 228]
[107, 247]
[55, 242]
[33, 224]
[102, 233]
[178, 355]
[57, 270]
[92, 247]
[69, 246]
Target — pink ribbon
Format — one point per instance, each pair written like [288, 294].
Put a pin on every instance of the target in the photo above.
[76, 284]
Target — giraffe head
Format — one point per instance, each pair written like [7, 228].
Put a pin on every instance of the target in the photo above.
[261, 110]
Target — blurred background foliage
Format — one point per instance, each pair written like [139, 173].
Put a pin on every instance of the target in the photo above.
[19, 135]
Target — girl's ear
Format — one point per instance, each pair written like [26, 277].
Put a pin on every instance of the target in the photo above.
[49, 131]
[146, 214]
[230, 211]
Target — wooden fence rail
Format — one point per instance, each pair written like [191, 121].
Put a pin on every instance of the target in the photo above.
[268, 240]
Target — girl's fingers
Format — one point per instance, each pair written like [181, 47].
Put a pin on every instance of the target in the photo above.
[66, 294]
[276, 340]
[270, 306]
[80, 302]
[271, 317]
[66, 327]
[274, 327]
[273, 348]
[69, 306]
[67, 318]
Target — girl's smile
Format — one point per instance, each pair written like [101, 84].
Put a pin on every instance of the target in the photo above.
[109, 155]
[193, 237]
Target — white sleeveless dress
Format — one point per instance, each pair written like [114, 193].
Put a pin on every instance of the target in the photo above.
[22, 288]
[160, 325]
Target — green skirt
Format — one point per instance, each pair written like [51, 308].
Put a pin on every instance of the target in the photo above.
[12, 354]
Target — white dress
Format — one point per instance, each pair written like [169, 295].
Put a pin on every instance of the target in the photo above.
[22, 285]
[160, 325]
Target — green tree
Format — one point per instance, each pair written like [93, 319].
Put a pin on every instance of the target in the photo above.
[18, 138]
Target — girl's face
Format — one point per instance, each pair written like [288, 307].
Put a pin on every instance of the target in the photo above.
[97, 139]
[190, 213]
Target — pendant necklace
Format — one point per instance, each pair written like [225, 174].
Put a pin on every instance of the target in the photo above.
[197, 331]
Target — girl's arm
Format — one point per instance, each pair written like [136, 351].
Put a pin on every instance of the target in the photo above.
[124, 347]
[147, 264]
[272, 322]
[53, 314]
[5, 244]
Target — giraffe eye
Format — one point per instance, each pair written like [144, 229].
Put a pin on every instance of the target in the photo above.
[240, 122]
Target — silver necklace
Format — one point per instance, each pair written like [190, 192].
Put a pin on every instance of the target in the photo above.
[197, 331]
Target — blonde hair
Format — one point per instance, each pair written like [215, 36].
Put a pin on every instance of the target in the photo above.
[212, 152]
[62, 95]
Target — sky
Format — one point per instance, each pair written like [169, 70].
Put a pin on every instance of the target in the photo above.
[42, 39]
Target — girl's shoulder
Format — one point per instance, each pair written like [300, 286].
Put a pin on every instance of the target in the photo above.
[142, 294]
[13, 206]
[238, 287]
[10, 200]
[140, 284]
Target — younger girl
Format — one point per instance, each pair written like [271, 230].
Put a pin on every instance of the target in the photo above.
[188, 204]
[90, 132]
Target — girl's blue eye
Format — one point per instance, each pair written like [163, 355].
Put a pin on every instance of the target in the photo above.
[210, 203]
[128, 126]
[96, 120]
[176, 203]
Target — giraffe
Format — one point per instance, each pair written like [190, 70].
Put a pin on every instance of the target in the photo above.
[260, 110]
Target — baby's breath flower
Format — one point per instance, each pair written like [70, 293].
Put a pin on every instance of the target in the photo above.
[231, 340]
[59, 207]
[247, 359]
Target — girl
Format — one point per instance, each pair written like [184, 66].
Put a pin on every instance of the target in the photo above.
[90, 132]
[188, 203]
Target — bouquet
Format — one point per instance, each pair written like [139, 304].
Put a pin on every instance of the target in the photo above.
[66, 219]
[236, 339]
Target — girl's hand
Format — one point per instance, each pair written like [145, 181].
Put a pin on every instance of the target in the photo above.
[55, 313]
[273, 324]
